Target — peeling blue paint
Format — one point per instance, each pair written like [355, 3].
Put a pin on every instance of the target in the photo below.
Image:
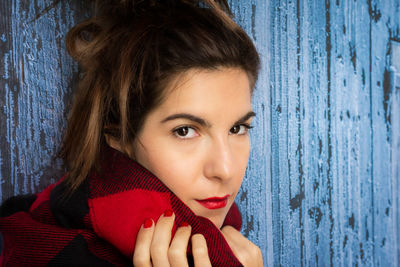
[6, 63]
[341, 143]
[38, 73]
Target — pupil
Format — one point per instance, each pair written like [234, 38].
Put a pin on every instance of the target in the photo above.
[183, 131]
[235, 129]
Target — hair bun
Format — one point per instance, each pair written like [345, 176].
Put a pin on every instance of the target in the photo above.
[87, 39]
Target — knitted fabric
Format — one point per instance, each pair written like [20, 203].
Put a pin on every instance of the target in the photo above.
[98, 224]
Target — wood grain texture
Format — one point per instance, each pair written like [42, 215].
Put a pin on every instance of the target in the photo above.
[36, 84]
[385, 24]
[334, 169]
[253, 199]
[323, 181]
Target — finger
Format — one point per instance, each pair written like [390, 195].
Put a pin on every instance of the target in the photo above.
[234, 238]
[177, 250]
[235, 241]
[200, 251]
[141, 255]
[161, 239]
[245, 251]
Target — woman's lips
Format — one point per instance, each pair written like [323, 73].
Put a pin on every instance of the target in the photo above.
[213, 203]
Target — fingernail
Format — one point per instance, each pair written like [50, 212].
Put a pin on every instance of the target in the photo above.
[168, 213]
[184, 224]
[148, 223]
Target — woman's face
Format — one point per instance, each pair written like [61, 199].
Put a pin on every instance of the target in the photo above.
[196, 142]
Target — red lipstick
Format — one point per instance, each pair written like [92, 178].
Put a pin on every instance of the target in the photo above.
[213, 203]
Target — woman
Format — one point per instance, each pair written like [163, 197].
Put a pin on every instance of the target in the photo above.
[156, 145]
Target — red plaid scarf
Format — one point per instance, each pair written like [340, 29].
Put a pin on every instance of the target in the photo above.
[98, 225]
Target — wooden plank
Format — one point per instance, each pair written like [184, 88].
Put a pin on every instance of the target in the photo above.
[385, 23]
[278, 121]
[395, 147]
[296, 100]
[314, 76]
[353, 187]
[324, 143]
[254, 198]
[37, 82]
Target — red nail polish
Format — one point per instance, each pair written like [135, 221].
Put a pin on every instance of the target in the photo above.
[168, 213]
[184, 224]
[148, 223]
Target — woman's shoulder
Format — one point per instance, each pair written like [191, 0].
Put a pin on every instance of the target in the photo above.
[16, 204]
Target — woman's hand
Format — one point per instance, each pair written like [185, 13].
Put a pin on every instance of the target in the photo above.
[154, 246]
[247, 253]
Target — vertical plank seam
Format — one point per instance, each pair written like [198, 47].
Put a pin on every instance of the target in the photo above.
[372, 134]
[329, 171]
[300, 148]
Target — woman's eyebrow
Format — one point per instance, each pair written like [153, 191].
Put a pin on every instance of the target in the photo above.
[246, 117]
[187, 116]
[203, 122]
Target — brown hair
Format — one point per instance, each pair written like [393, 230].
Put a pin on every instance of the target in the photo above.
[129, 51]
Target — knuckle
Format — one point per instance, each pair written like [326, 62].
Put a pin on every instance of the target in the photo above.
[156, 249]
[200, 251]
[254, 250]
[229, 231]
[139, 261]
[174, 252]
[258, 254]
[227, 228]
[182, 232]
[250, 255]
[245, 258]
[198, 237]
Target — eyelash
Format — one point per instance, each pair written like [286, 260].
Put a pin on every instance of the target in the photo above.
[245, 125]
[175, 131]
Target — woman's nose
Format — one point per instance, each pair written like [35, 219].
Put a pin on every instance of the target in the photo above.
[220, 161]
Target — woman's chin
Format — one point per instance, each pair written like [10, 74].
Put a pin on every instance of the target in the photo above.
[217, 218]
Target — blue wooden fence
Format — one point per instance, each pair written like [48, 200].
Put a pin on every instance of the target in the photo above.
[323, 179]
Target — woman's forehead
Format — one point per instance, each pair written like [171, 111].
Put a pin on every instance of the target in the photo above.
[197, 81]
[225, 91]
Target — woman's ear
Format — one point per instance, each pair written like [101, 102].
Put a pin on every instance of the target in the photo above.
[113, 143]
[125, 149]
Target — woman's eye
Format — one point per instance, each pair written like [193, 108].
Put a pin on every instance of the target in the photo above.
[240, 129]
[185, 132]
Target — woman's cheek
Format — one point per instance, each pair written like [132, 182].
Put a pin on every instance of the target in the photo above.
[241, 148]
[176, 163]
[188, 151]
